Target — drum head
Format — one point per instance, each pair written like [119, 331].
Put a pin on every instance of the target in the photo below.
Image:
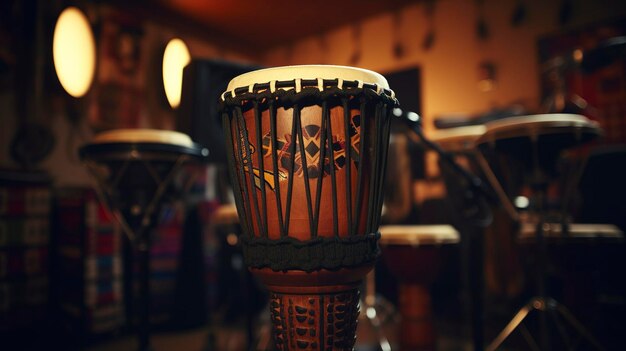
[143, 136]
[458, 139]
[552, 131]
[307, 72]
[225, 215]
[414, 235]
[577, 232]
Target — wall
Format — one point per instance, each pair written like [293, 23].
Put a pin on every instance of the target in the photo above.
[63, 163]
[450, 67]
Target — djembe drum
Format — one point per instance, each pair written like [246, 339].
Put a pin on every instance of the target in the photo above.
[523, 152]
[135, 170]
[414, 254]
[309, 147]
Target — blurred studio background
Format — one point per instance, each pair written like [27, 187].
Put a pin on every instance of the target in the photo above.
[69, 276]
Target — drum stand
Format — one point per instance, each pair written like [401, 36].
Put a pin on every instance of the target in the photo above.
[137, 221]
[369, 306]
[542, 303]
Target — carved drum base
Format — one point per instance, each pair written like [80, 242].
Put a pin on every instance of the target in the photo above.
[325, 322]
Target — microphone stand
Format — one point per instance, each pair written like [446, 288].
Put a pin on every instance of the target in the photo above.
[475, 198]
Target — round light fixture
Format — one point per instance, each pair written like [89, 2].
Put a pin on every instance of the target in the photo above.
[175, 58]
[74, 52]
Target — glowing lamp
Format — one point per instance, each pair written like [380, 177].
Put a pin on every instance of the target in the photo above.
[74, 52]
[175, 58]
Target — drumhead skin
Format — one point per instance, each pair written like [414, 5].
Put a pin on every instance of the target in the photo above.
[288, 73]
[575, 231]
[226, 214]
[458, 139]
[533, 125]
[414, 235]
[143, 136]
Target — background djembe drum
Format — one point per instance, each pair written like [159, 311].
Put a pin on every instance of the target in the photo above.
[414, 254]
[135, 170]
[309, 147]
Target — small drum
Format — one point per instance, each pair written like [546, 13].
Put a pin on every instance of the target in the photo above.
[536, 141]
[135, 170]
[309, 147]
[413, 254]
[524, 150]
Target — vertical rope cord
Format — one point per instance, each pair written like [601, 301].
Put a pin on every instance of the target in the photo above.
[244, 180]
[292, 155]
[333, 179]
[305, 169]
[250, 184]
[362, 141]
[373, 198]
[259, 147]
[272, 108]
[348, 166]
[323, 142]
[384, 147]
[243, 218]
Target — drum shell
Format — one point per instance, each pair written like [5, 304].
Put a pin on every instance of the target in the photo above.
[414, 254]
[414, 264]
[342, 140]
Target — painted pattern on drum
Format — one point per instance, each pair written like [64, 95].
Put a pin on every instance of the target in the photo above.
[311, 135]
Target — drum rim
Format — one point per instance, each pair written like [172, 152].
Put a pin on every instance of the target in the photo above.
[118, 142]
[307, 72]
[126, 150]
[513, 127]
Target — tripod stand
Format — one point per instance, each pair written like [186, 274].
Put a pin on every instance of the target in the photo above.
[536, 142]
[135, 171]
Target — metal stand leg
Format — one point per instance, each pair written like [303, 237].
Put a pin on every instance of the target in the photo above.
[544, 305]
[371, 313]
[144, 295]
[476, 282]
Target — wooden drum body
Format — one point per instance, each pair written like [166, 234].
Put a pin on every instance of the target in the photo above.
[309, 148]
[413, 254]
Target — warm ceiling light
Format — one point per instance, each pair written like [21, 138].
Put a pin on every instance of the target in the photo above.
[175, 58]
[74, 52]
